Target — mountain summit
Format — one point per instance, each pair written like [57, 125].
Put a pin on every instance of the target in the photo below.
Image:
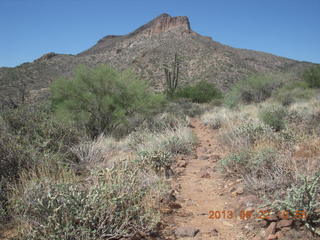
[145, 50]
[164, 23]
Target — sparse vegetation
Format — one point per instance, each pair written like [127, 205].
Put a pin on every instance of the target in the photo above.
[158, 149]
[117, 202]
[67, 186]
[254, 89]
[293, 92]
[272, 145]
[92, 163]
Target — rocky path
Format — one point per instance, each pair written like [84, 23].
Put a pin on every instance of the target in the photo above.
[200, 188]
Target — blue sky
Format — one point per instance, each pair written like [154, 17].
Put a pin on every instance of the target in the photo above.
[30, 28]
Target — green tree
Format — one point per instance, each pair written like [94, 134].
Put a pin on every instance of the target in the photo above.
[312, 77]
[102, 98]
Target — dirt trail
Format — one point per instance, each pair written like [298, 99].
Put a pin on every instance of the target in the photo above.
[201, 189]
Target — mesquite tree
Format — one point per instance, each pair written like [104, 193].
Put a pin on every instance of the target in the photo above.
[172, 75]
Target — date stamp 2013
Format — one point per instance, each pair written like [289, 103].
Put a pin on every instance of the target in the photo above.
[259, 214]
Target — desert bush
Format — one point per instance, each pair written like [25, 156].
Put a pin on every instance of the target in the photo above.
[117, 202]
[102, 99]
[160, 160]
[3, 201]
[35, 126]
[184, 106]
[212, 119]
[246, 134]
[158, 149]
[177, 141]
[200, 92]
[292, 92]
[261, 170]
[274, 116]
[13, 159]
[303, 197]
[254, 89]
[312, 77]
[163, 121]
[94, 151]
[235, 162]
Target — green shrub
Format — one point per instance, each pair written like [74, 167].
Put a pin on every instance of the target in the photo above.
[163, 121]
[303, 196]
[254, 89]
[35, 126]
[13, 159]
[293, 92]
[235, 162]
[158, 149]
[274, 116]
[260, 169]
[312, 77]
[160, 160]
[200, 92]
[216, 117]
[245, 162]
[101, 99]
[250, 132]
[117, 202]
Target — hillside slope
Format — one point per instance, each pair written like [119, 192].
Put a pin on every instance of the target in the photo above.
[145, 50]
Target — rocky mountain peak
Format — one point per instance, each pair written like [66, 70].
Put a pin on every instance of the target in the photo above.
[164, 23]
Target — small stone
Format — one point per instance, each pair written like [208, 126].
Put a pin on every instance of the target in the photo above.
[280, 235]
[184, 214]
[284, 223]
[182, 164]
[215, 157]
[239, 190]
[263, 233]
[227, 224]
[272, 237]
[205, 175]
[271, 229]
[203, 157]
[249, 227]
[258, 238]
[262, 223]
[179, 171]
[166, 210]
[174, 205]
[186, 232]
[285, 229]
[248, 201]
[214, 232]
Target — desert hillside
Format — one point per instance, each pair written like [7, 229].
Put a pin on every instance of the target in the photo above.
[145, 50]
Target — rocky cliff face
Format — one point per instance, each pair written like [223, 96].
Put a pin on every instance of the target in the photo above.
[145, 50]
[165, 23]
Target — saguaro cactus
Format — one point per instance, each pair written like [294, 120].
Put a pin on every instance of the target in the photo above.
[172, 75]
